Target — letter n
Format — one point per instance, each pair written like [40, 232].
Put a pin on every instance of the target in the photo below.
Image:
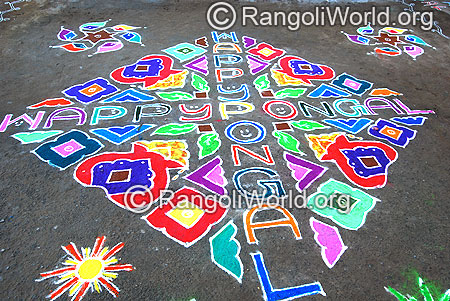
[237, 162]
[327, 110]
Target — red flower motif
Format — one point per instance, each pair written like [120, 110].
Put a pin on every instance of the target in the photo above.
[132, 74]
[187, 216]
[266, 52]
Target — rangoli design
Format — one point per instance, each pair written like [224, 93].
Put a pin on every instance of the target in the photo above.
[99, 36]
[314, 115]
[389, 41]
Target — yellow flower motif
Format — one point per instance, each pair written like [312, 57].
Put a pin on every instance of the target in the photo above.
[286, 80]
[175, 150]
[173, 81]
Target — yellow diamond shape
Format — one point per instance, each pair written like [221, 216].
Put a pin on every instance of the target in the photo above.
[266, 51]
[186, 214]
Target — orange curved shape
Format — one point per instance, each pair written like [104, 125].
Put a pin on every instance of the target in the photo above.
[250, 226]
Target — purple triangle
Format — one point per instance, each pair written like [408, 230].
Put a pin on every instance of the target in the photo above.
[200, 65]
[248, 42]
[305, 172]
[256, 65]
[210, 176]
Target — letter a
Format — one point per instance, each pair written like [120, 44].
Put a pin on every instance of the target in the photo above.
[250, 226]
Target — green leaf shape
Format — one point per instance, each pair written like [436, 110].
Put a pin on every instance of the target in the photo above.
[34, 137]
[288, 142]
[424, 291]
[290, 93]
[199, 83]
[174, 96]
[262, 82]
[208, 144]
[225, 251]
[175, 129]
[398, 295]
[308, 125]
